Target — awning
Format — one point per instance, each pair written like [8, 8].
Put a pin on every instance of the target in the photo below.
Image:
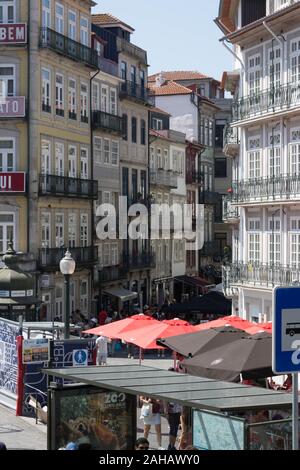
[123, 294]
[194, 282]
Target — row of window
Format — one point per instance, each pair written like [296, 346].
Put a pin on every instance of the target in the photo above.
[66, 21]
[57, 303]
[255, 247]
[132, 76]
[106, 151]
[134, 130]
[160, 159]
[207, 131]
[53, 159]
[255, 162]
[58, 230]
[104, 98]
[66, 93]
[108, 254]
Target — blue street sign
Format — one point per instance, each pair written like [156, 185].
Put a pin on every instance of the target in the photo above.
[80, 357]
[286, 330]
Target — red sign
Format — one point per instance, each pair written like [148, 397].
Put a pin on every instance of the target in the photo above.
[12, 106]
[13, 33]
[12, 182]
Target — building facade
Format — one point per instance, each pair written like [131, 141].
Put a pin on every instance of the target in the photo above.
[264, 144]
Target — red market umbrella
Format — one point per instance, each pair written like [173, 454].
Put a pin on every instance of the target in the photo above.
[114, 329]
[146, 337]
[259, 327]
[234, 321]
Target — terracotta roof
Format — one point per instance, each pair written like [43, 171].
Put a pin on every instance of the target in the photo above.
[159, 135]
[179, 75]
[154, 109]
[105, 19]
[169, 88]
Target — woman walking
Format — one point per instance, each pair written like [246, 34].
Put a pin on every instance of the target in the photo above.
[151, 414]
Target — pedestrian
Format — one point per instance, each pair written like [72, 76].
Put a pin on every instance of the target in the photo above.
[173, 412]
[101, 346]
[102, 316]
[141, 444]
[151, 414]
[2, 446]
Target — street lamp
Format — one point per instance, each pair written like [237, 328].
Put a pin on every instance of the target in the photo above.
[67, 267]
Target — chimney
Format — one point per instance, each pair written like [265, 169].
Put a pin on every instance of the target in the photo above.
[160, 80]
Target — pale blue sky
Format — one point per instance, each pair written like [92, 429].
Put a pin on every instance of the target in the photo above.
[178, 34]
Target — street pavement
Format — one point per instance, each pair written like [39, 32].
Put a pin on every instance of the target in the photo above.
[20, 433]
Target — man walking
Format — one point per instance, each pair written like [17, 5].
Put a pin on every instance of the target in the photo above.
[101, 346]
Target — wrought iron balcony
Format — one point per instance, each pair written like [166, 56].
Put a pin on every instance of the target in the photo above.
[277, 188]
[49, 258]
[211, 248]
[125, 46]
[231, 141]
[108, 66]
[163, 178]
[265, 275]
[272, 100]
[209, 197]
[143, 260]
[231, 214]
[112, 273]
[64, 186]
[132, 90]
[110, 122]
[68, 47]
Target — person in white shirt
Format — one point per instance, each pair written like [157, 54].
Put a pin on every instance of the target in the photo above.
[101, 345]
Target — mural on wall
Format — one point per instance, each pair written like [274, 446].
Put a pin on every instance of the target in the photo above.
[8, 356]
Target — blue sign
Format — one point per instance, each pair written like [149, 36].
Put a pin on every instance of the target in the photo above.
[286, 330]
[80, 357]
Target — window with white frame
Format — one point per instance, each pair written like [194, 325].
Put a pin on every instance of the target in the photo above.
[211, 133]
[7, 80]
[113, 101]
[7, 155]
[104, 99]
[275, 67]
[152, 158]
[59, 159]
[254, 74]
[106, 254]
[72, 229]
[159, 159]
[45, 157]
[84, 233]
[84, 102]
[157, 124]
[254, 240]
[95, 96]
[84, 163]
[7, 230]
[59, 18]
[294, 242]
[166, 159]
[254, 164]
[7, 11]
[72, 99]
[84, 290]
[114, 254]
[46, 13]
[98, 149]
[295, 61]
[106, 150]
[59, 94]
[59, 230]
[114, 152]
[274, 161]
[294, 153]
[45, 230]
[72, 160]
[274, 240]
[72, 23]
[46, 89]
[84, 31]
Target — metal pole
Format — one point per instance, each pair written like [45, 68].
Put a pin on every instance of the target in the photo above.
[140, 356]
[67, 307]
[295, 413]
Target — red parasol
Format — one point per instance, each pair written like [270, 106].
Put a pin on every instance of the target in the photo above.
[114, 329]
[234, 321]
[259, 327]
[146, 337]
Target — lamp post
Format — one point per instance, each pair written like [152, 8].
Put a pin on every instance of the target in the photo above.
[67, 267]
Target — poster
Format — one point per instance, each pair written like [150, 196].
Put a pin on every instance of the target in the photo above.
[36, 350]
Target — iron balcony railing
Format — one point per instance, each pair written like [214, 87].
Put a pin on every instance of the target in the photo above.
[231, 140]
[143, 260]
[134, 91]
[163, 178]
[49, 258]
[230, 212]
[267, 275]
[108, 66]
[112, 273]
[68, 47]
[55, 185]
[283, 187]
[111, 122]
[281, 98]
[211, 248]
[131, 49]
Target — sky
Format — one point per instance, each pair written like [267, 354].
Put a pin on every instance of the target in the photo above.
[177, 34]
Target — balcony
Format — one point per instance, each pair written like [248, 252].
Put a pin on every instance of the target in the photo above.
[68, 47]
[49, 258]
[209, 197]
[131, 90]
[109, 122]
[231, 214]
[273, 100]
[131, 49]
[257, 190]
[112, 273]
[64, 186]
[163, 178]
[211, 249]
[260, 275]
[231, 141]
[108, 66]
[144, 260]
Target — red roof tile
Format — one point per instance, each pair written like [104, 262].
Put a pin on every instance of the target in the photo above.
[103, 19]
[169, 88]
[179, 75]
